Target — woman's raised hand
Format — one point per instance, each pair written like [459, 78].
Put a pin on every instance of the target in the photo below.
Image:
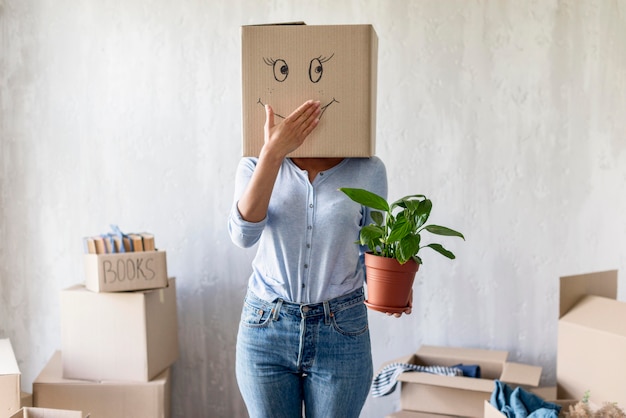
[288, 135]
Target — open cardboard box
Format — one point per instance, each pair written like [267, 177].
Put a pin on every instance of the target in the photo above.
[129, 336]
[492, 412]
[284, 65]
[413, 414]
[121, 272]
[29, 412]
[454, 395]
[591, 353]
[106, 399]
[10, 376]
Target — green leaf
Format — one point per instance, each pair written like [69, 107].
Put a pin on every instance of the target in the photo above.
[423, 212]
[371, 235]
[408, 247]
[439, 248]
[377, 217]
[404, 201]
[442, 230]
[366, 198]
[399, 230]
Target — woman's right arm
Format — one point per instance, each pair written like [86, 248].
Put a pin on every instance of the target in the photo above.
[280, 140]
[254, 189]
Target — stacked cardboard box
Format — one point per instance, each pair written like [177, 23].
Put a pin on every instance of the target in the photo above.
[118, 340]
[591, 343]
[28, 412]
[591, 339]
[437, 395]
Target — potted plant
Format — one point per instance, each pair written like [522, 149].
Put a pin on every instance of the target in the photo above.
[395, 242]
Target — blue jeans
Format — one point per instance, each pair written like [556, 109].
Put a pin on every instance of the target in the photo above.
[314, 358]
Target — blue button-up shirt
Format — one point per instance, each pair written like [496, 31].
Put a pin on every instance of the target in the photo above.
[307, 250]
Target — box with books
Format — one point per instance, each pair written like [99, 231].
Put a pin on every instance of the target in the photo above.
[103, 399]
[131, 336]
[118, 262]
[10, 376]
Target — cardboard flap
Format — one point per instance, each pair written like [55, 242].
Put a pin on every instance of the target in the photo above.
[598, 313]
[279, 24]
[573, 288]
[456, 353]
[521, 374]
[491, 411]
[490, 361]
[457, 382]
[8, 364]
[47, 413]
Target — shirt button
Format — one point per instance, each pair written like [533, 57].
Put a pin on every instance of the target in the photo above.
[311, 205]
[306, 266]
[309, 227]
[308, 245]
[321, 174]
[303, 285]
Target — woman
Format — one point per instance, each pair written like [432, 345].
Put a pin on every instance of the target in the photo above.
[303, 341]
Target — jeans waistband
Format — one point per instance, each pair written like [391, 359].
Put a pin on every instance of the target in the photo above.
[326, 308]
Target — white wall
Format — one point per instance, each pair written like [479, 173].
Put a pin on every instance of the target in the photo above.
[509, 115]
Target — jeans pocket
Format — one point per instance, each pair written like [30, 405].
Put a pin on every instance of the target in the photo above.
[253, 315]
[352, 320]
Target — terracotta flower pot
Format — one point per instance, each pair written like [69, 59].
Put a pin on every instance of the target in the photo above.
[389, 283]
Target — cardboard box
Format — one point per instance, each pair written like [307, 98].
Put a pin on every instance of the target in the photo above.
[413, 414]
[591, 339]
[129, 336]
[285, 65]
[455, 395]
[47, 413]
[492, 412]
[107, 399]
[9, 380]
[125, 271]
[26, 399]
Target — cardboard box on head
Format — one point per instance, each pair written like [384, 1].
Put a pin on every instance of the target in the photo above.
[285, 65]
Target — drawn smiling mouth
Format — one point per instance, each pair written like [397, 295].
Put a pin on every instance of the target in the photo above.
[323, 108]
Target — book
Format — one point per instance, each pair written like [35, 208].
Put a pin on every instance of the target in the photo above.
[128, 244]
[137, 242]
[99, 243]
[109, 244]
[148, 241]
[89, 245]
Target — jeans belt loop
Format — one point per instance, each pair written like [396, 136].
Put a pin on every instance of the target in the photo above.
[327, 313]
[276, 309]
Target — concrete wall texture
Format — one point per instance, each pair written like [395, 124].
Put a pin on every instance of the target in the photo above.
[509, 115]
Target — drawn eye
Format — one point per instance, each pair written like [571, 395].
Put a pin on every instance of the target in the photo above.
[315, 70]
[279, 67]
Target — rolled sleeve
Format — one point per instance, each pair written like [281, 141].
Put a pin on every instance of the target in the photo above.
[244, 234]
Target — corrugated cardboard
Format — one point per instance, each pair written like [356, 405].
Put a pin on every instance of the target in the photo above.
[413, 414]
[29, 412]
[125, 271]
[285, 65]
[492, 412]
[107, 399]
[9, 380]
[592, 339]
[454, 395]
[129, 336]
[26, 399]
